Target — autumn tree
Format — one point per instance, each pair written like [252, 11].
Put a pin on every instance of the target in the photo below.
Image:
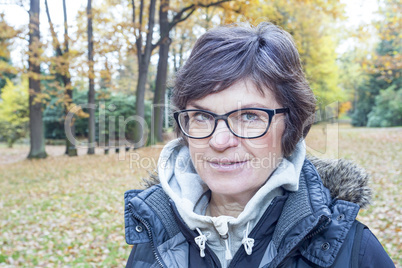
[161, 76]
[91, 91]
[183, 38]
[7, 34]
[37, 148]
[379, 96]
[144, 47]
[127, 69]
[14, 112]
[236, 12]
[387, 60]
[108, 65]
[351, 77]
[61, 66]
[112, 38]
[311, 25]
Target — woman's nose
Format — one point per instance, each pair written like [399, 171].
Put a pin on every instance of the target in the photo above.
[223, 138]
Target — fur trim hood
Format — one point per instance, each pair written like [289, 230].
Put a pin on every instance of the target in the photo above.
[344, 179]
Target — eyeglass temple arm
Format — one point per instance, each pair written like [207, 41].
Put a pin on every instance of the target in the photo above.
[281, 110]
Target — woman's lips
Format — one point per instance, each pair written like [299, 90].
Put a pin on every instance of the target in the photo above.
[227, 165]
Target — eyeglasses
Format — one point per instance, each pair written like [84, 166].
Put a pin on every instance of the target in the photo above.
[248, 123]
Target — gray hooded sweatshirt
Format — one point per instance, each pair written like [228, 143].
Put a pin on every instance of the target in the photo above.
[223, 234]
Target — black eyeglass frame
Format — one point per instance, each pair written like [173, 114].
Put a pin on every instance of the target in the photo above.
[224, 117]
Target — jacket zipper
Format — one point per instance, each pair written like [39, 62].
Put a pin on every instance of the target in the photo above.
[148, 227]
[319, 230]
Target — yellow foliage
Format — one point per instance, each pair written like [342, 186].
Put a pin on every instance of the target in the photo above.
[344, 107]
[309, 22]
[14, 102]
[77, 110]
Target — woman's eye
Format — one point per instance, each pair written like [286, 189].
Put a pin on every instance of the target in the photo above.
[202, 117]
[249, 117]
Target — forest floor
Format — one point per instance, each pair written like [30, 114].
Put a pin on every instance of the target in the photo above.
[68, 211]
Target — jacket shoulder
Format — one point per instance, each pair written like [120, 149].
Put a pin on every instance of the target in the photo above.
[372, 254]
[313, 219]
[150, 209]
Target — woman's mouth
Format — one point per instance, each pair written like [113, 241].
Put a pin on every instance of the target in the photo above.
[227, 165]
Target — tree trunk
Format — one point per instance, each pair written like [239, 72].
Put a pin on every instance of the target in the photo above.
[71, 149]
[160, 90]
[143, 65]
[161, 76]
[91, 92]
[63, 72]
[139, 137]
[37, 149]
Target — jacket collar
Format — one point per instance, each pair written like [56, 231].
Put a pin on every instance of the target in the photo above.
[145, 209]
[308, 214]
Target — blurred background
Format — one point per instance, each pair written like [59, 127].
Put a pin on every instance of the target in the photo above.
[85, 111]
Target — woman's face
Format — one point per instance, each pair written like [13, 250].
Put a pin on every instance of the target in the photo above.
[232, 166]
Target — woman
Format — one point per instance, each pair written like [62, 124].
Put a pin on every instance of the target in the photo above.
[236, 189]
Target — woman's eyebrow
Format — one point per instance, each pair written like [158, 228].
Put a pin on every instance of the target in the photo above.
[196, 106]
[248, 105]
[254, 105]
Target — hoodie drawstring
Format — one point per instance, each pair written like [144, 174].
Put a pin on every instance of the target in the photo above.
[247, 241]
[200, 241]
[228, 254]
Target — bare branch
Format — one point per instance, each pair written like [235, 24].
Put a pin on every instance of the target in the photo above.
[151, 23]
[179, 16]
[141, 14]
[133, 4]
[66, 49]
[162, 39]
[138, 38]
[182, 19]
[181, 12]
[56, 42]
[136, 35]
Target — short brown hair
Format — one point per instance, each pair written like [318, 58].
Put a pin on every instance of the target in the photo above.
[266, 55]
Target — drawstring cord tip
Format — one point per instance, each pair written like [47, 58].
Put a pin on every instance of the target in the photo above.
[200, 241]
[247, 241]
[228, 254]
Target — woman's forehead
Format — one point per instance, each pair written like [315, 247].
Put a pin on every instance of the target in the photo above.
[243, 94]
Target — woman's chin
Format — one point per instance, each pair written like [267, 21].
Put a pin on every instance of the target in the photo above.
[231, 182]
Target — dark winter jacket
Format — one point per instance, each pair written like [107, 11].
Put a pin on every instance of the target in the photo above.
[312, 227]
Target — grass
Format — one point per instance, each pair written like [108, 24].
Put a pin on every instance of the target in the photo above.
[68, 211]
